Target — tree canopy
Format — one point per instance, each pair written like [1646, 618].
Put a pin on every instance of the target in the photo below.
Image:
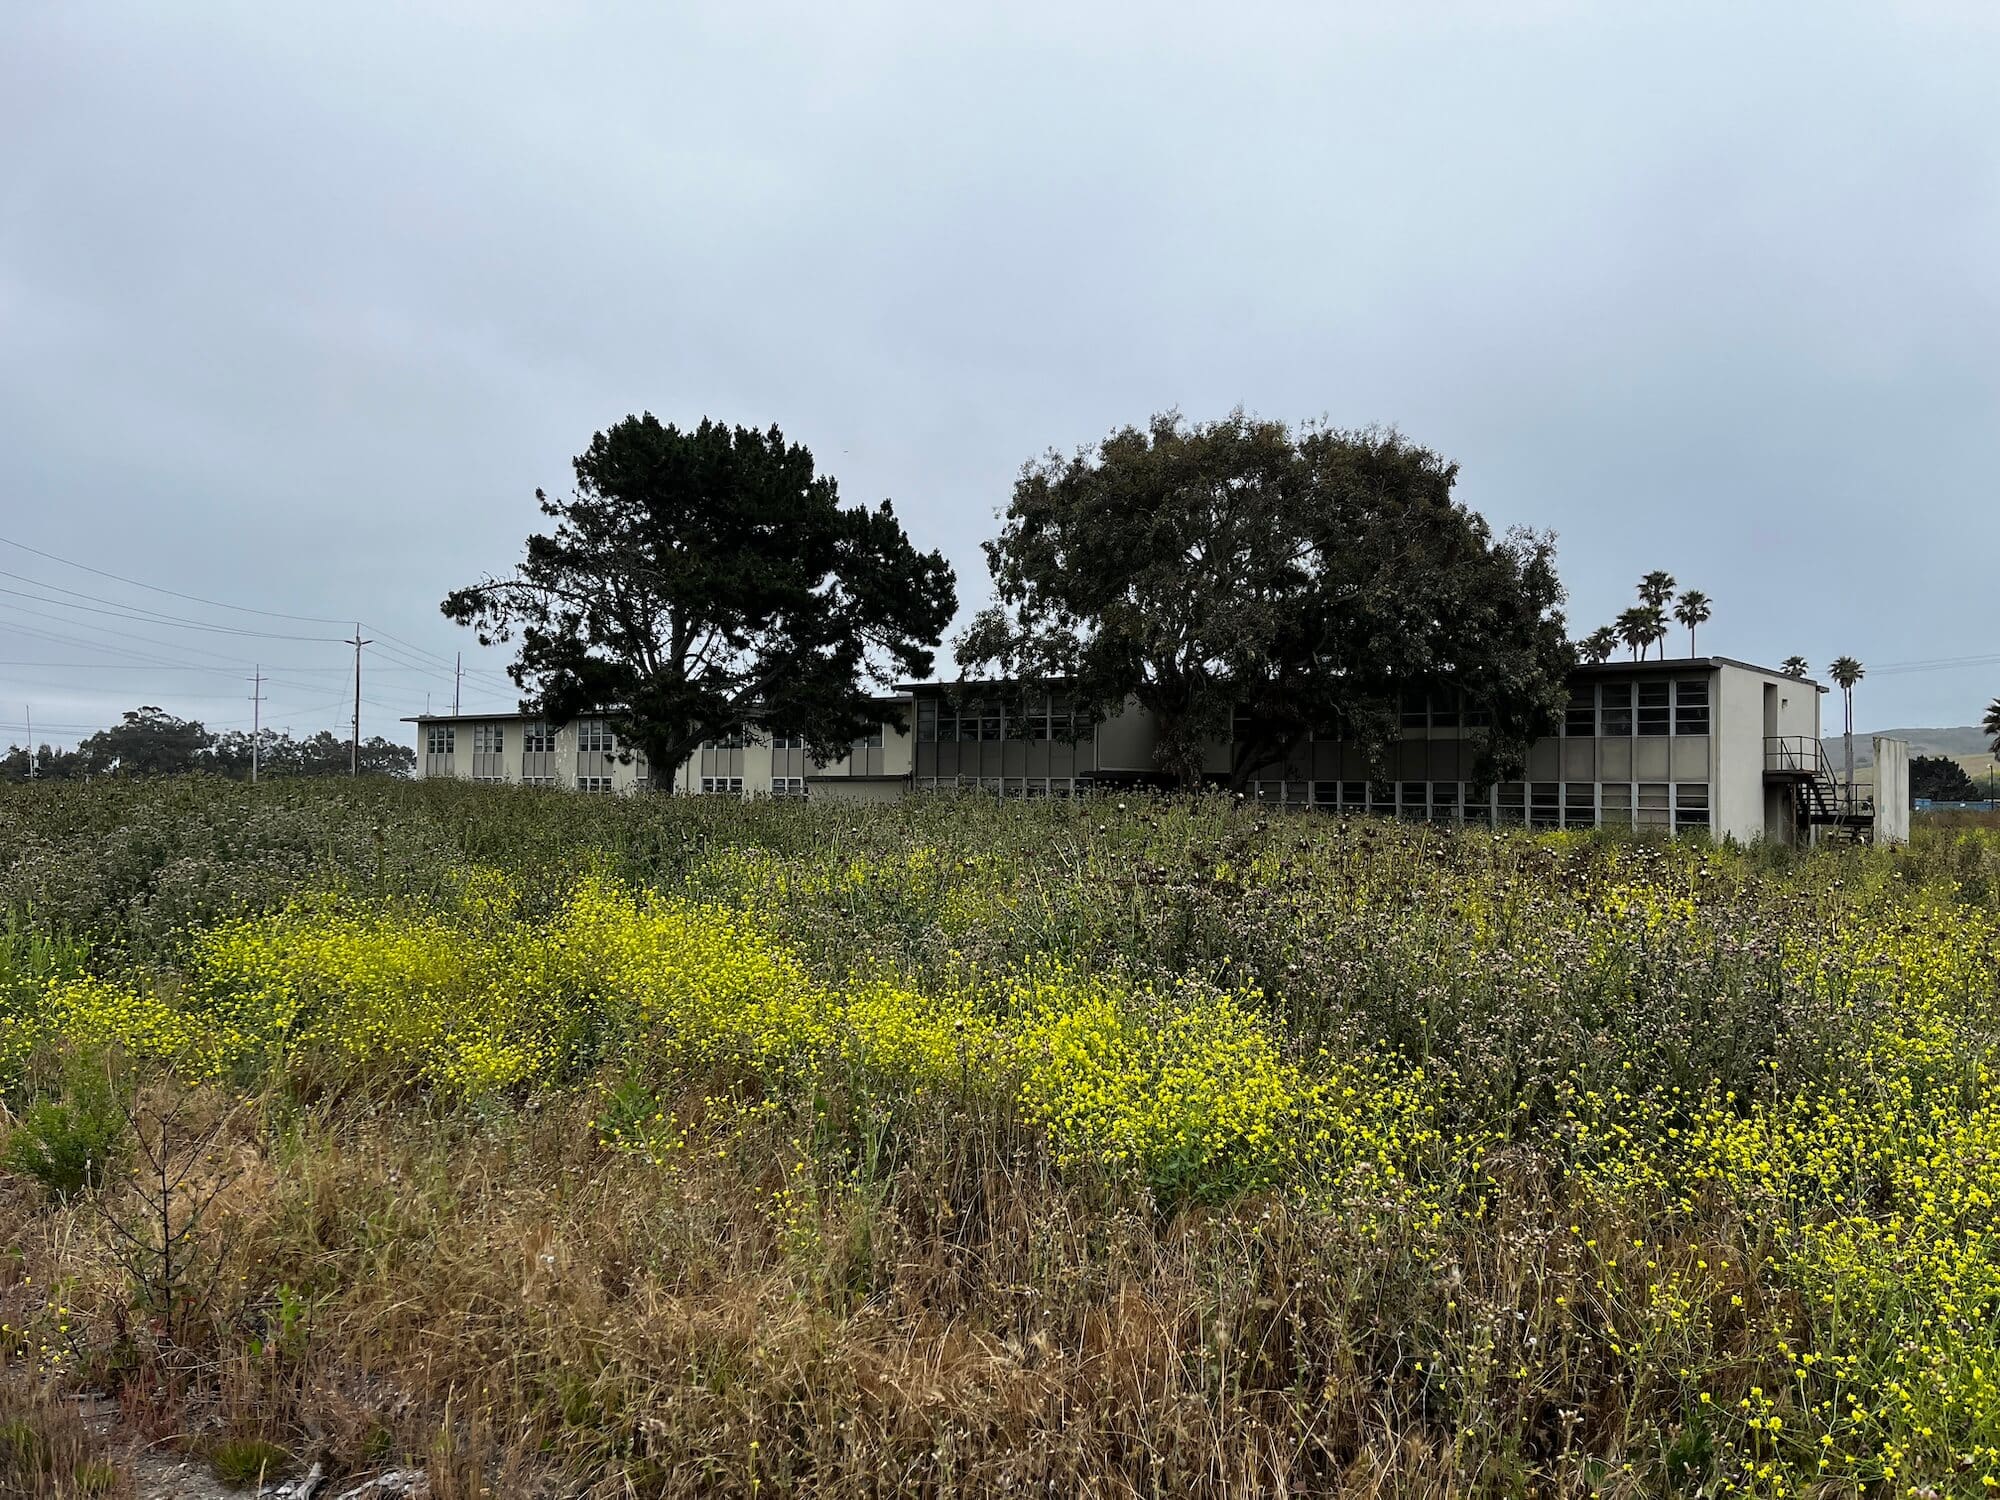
[1237, 572]
[149, 741]
[702, 581]
[1939, 778]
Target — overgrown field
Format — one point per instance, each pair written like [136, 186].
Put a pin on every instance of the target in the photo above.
[571, 1145]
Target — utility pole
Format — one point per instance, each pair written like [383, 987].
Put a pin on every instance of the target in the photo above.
[29, 709]
[354, 746]
[256, 713]
[457, 676]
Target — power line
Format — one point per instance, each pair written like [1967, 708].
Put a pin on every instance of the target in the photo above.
[119, 666]
[171, 593]
[154, 617]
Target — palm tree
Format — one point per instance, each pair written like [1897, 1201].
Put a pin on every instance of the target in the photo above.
[1633, 629]
[1845, 672]
[1656, 627]
[1795, 666]
[1991, 724]
[1693, 610]
[1597, 647]
[1656, 588]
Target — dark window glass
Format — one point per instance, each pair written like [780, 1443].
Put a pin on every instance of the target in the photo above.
[1545, 804]
[1691, 706]
[1580, 718]
[1691, 807]
[1617, 699]
[1653, 708]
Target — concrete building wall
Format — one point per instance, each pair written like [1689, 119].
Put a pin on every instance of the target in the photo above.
[1892, 791]
[1678, 745]
[1125, 742]
[583, 756]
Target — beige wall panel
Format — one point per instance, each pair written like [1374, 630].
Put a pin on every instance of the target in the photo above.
[1615, 759]
[1125, 742]
[851, 791]
[1692, 760]
[1579, 760]
[898, 752]
[1545, 761]
[1650, 758]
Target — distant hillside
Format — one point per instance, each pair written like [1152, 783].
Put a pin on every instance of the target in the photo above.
[1966, 739]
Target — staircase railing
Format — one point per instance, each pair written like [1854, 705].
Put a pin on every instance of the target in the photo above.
[1821, 796]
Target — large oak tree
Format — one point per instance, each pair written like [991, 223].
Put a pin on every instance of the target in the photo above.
[1235, 571]
[702, 581]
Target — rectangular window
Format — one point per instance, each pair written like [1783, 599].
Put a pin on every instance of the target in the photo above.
[488, 739]
[1444, 710]
[1444, 801]
[1416, 711]
[1479, 807]
[869, 741]
[1354, 796]
[594, 736]
[1579, 804]
[1412, 803]
[1691, 807]
[722, 786]
[1580, 718]
[927, 721]
[1653, 805]
[1691, 706]
[1617, 804]
[1545, 804]
[1653, 707]
[788, 786]
[1511, 808]
[439, 739]
[1617, 700]
[537, 739]
[597, 784]
[788, 742]
[1478, 718]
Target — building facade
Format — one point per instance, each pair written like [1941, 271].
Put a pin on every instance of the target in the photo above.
[585, 756]
[1703, 745]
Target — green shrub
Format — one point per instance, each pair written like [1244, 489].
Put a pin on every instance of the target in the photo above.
[241, 1461]
[68, 1142]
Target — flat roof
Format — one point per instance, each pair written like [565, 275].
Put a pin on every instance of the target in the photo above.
[1686, 663]
[515, 713]
[1670, 664]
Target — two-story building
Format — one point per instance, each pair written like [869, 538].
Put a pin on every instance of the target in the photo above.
[1703, 745]
[585, 756]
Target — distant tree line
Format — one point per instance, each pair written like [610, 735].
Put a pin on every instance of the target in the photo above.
[1939, 778]
[149, 741]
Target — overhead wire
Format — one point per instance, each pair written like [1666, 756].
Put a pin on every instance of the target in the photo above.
[171, 593]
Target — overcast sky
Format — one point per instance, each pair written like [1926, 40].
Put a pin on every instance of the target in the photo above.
[298, 305]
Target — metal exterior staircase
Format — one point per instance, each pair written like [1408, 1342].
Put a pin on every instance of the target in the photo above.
[1818, 800]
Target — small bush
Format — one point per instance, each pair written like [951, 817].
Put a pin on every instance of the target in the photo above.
[69, 1142]
[241, 1461]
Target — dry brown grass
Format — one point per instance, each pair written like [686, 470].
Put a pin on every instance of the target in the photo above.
[522, 1312]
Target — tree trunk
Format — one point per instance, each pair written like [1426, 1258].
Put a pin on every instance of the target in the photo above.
[1847, 696]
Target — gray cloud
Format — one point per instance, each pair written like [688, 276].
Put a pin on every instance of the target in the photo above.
[297, 308]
